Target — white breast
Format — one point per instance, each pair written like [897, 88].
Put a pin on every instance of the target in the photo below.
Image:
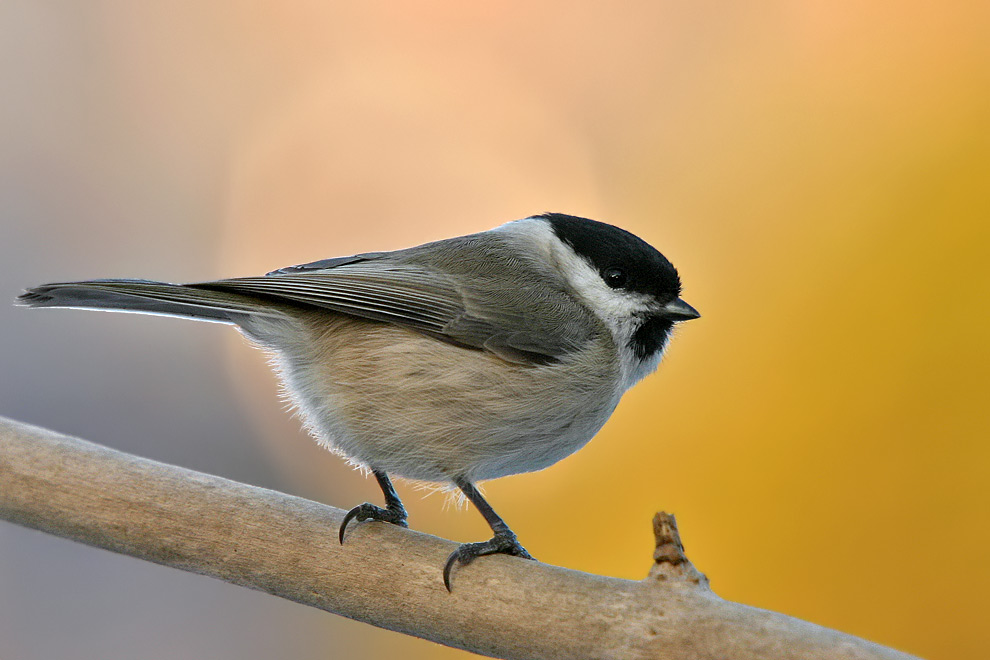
[389, 398]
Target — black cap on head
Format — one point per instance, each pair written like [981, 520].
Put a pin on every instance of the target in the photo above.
[622, 259]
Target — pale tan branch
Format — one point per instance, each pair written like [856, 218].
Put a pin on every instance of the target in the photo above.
[386, 576]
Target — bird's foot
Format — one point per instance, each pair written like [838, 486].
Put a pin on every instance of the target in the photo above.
[503, 543]
[368, 511]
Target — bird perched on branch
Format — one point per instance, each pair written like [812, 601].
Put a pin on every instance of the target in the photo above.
[457, 361]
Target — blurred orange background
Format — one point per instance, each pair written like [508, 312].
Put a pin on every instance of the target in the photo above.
[818, 172]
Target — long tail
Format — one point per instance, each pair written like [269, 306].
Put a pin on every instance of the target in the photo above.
[149, 297]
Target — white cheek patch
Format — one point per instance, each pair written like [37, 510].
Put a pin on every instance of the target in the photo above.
[613, 306]
[618, 309]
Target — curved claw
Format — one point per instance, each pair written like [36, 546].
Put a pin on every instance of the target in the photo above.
[347, 518]
[447, 567]
[500, 544]
[368, 511]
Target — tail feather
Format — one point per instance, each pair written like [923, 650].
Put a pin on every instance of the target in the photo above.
[148, 297]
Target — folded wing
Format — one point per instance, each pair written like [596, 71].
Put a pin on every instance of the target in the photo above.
[472, 312]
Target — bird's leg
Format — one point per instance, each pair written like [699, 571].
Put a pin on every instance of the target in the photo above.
[393, 512]
[504, 541]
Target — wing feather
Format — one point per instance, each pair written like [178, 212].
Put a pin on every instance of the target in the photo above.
[472, 309]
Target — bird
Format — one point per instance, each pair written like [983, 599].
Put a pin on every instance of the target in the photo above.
[452, 362]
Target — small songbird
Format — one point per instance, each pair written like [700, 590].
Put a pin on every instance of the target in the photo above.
[456, 361]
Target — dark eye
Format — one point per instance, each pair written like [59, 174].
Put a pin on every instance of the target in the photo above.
[614, 277]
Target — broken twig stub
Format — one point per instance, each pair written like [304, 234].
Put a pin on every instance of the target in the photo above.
[669, 560]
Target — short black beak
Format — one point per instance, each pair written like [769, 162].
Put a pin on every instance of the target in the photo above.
[678, 310]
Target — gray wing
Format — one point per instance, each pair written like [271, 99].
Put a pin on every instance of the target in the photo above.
[324, 264]
[464, 300]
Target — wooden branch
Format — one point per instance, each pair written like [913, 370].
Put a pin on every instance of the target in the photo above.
[389, 577]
